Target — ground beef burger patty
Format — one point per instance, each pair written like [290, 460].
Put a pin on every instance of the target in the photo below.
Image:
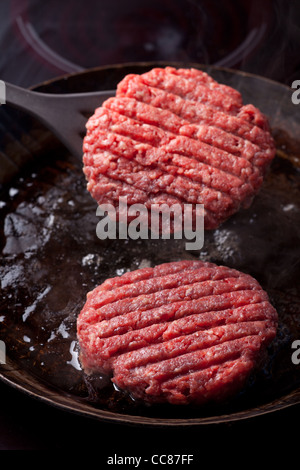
[181, 332]
[177, 136]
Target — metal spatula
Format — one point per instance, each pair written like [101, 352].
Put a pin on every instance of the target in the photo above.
[64, 114]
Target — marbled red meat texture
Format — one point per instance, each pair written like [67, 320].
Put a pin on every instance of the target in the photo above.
[181, 332]
[179, 136]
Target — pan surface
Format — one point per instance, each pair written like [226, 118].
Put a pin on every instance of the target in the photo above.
[51, 257]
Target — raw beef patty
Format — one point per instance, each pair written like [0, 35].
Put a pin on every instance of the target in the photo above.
[176, 136]
[181, 332]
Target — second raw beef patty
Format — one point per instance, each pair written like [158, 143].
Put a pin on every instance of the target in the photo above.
[181, 332]
[176, 136]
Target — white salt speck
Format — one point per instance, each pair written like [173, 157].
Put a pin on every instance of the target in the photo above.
[226, 243]
[13, 192]
[50, 220]
[87, 260]
[52, 336]
[74, 361]
[91, 259]
[145, 263]
[288, 207]
[62, 329]
[31, 308]
[41, 200]
[120, 271]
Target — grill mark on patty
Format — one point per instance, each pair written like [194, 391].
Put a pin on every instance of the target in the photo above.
[145, 345]
[154, 180]
[195, 112]
[234, 301]
[178, 139]
[110, 118]
[206, 80]
[140, 353]
[168, 121]
[186, 184]
[157, 131]
[148, 355]
[200, 385]
[154, 283]
[152, 272]
[217, 304]
[191, 361]
[145, 114]
[135, 194]
[143, 158]
[191, 90]
[174, 151]
[203, 383]
[187, 313]
[171, 280]
[97, 160]
[143, 182]
[156, 299]
[110, 190]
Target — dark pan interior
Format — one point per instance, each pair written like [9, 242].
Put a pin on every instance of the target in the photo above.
[51, 257]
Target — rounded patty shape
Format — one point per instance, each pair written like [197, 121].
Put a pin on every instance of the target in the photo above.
[176, 136]
[181, 332]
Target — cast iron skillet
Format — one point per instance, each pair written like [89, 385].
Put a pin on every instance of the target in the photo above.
[51, 257]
